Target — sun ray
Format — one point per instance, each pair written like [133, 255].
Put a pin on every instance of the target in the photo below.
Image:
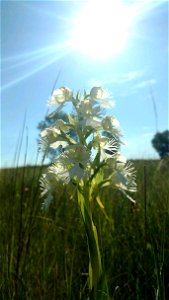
[27, 54]
[53, 47]
[26, 61]
[36, 69]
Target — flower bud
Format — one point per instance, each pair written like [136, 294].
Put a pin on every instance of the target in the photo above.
[109, 122]
[60, 95]
[77, 153]
[96, 93]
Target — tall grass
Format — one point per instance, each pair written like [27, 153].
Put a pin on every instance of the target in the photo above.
[44, 254]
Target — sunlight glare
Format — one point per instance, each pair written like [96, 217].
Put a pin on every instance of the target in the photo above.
[101, 29]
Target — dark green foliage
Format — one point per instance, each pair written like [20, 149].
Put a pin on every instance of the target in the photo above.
[161, 143]
[43, 255]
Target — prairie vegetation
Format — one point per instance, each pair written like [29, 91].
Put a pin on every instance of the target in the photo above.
[44, 253]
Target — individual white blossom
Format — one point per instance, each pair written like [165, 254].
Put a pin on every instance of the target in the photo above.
[109, 123]
[56, 144]
[70, 164]
[96, 93]
[93, 122]
[106, 146]
[59, 171]
[48, 136]
[52, 131]
[60, 95]
[77, 172]
[89, 114]
[61, 125]
[99, 141]
[76, 154]
[52, 137]
[46, 191]
[110, 148]
[125, 177]
[121, 159]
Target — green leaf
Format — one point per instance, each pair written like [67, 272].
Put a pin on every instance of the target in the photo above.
[95, 266]
[97, 169]
[71, 120]
[99, 202]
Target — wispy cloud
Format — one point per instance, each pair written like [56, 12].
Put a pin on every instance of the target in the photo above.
[126, 77]
[143, 7]
[147, 5]
[147, 128]
[134, 79]
[145, 83]
[95, 82]
[147, 134]
[117, 78]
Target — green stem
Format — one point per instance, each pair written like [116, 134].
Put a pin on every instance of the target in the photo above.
[95, 265]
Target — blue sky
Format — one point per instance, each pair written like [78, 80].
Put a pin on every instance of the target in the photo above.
[35, 48]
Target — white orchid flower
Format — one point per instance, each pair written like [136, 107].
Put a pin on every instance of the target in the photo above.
[125, 178]
[89, 116]
[84, 107]
[50, 131]
[111, 146]
[77, 171]
[96, 93]
[79, 158]
[99, 141]
[72, 163]
[48, 180]
[52, 137]
[60, 95]
[76, 154]
[61, 125]
[75, 160]
[56, 144]
[109, 122]
[59, 171]
[109, 149]
[106, 146]
[93, 122]
[48, 136]
[120, 158]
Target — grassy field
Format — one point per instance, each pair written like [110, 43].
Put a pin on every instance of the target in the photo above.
[44, 256]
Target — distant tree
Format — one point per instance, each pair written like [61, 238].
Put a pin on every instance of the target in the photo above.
[48, 122]
[161, 143]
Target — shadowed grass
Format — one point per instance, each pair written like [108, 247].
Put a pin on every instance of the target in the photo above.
[44, 254]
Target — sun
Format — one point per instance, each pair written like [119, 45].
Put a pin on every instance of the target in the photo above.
[102, 28]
